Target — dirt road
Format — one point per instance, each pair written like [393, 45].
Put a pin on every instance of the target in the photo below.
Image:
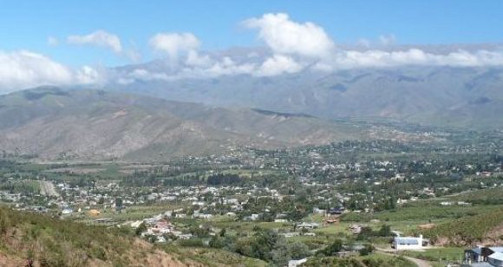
[47, 188]
[418, 262]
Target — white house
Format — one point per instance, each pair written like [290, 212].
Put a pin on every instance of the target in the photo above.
[406, 243]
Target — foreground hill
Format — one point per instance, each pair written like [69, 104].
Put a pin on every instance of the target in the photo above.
[52, 123]
[43, 241]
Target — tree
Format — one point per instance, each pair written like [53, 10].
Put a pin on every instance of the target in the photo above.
[216, 242]
[385, 230]
[298, 250]
[280, 254]
[222, 232]
[365, 233]
[118, 202]
[366, 250]
[141, 228]
[333, 248]
[264, 243]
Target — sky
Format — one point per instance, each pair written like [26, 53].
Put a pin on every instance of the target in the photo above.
[82, 37]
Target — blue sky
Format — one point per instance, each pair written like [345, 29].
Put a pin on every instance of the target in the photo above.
[79, 42]
[28, 24]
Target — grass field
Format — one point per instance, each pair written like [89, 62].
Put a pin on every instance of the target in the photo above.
[437, 255]
[374, 259]
[248, 226]
[130, 214]
[494, 195]
[213, 257]
[385, 260]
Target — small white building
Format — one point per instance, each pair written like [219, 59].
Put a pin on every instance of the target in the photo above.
[295, 263]
[408, 243]
[309, 226]
[67, 211]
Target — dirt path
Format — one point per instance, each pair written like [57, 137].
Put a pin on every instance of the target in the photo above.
[47, 188]
[418, 262]
[9, 261]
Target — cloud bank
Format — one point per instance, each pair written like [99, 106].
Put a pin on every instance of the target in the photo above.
[98, 38]
[24, 69]
[290, 47]
[294, 47]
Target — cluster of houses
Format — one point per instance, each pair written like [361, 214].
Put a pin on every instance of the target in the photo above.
[10, 197]
[160, 228]
[101, 195]
[452, 203]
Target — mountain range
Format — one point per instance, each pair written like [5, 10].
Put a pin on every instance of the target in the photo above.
[158, 115]
[457, 97]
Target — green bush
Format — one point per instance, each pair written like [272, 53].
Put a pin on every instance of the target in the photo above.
[193, 242]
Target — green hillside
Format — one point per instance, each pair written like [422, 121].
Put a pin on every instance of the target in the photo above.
[483, 228]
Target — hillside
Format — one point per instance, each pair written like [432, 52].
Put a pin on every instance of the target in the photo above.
[51, 123]
[45, 241]
[469, 231]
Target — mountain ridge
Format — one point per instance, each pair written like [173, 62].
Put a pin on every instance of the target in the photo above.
[428, 95]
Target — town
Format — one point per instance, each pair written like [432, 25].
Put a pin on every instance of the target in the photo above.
[345, 199]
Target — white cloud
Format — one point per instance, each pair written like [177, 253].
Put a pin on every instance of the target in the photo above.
[278, 64]
[225, 66]
[197, 60]
[378, 58]
[285, 36]
[142, 74]
[88, 75]
[24, 69]
[98, 38]
[174, 43]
